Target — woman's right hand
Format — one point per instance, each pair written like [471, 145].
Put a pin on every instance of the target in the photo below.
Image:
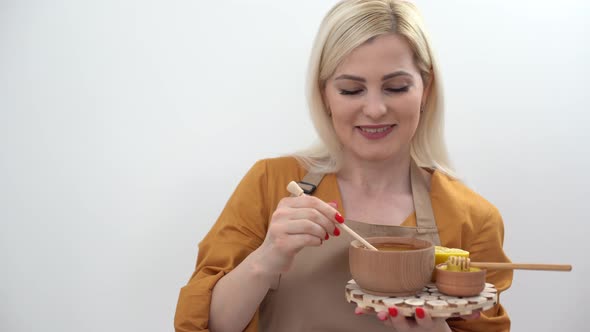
[298, 222]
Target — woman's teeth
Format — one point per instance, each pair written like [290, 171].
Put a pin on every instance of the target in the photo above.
[375, 130]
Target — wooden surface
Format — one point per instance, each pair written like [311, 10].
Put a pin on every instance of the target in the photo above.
[437, 304]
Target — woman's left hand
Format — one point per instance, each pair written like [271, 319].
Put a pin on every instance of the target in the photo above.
[422, 321]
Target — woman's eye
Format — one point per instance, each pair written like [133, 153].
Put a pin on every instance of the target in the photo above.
[398, 90]
[350, 92]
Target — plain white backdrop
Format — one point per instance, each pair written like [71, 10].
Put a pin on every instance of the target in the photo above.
[125, 126]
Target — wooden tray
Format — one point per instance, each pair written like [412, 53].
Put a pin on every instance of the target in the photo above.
[437, 304]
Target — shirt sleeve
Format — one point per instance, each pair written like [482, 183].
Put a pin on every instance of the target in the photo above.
[239, 230]
[488, 247]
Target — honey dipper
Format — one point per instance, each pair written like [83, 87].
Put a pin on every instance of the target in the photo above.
[294, 189]
[456, 263]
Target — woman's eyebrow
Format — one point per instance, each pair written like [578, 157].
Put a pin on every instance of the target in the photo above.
[395, 74]
[361, 79]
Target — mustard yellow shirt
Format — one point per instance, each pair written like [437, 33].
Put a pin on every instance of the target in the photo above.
[464, 220]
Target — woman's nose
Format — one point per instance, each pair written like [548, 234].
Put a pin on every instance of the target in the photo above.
[374, 105]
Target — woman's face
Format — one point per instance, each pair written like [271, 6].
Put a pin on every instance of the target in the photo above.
[374, 98]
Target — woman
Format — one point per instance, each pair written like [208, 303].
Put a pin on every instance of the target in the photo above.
[271, 262]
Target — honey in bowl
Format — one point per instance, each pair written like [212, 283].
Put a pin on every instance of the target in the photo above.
[395, 247]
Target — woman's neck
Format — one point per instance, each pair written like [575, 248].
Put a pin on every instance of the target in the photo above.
[373, 178]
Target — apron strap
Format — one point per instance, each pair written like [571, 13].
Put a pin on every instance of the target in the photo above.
[425, 222]
[310, 182]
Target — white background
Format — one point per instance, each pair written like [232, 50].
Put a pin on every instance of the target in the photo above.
[126, 125]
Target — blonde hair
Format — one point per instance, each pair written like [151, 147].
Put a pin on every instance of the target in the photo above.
[349, 24]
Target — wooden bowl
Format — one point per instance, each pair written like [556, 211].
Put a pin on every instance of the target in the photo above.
[456, 283]
[392, 273]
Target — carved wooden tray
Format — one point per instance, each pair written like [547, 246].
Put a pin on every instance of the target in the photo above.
[437, 304]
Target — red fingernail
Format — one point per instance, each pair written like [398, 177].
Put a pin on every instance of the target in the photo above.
[339, 218]
[420, 313]
[327, 236]
[336, 232]
[392, 311]
[382, 315]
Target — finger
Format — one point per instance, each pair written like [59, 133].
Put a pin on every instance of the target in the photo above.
[398, 320]
[313, 202]
[361, 311]
[387, 322]
[299, 241]
[391, 313]
[315, 216]
[423, 318]
[383, 316]
[304, 226]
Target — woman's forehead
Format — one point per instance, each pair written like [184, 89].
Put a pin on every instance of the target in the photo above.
[379, 56]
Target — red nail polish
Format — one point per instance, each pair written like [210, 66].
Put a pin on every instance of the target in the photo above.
[327, 236]
[382, 316]
[392, 311]
[358, 312]
[420, 313]
[336, 232]
[339, 218]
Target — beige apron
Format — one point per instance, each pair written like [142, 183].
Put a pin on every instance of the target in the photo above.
[310, 297]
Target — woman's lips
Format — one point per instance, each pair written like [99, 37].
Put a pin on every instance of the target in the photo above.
[375, 132]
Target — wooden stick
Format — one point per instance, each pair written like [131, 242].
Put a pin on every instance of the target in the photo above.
[294, 189]
[520, 266]
[356, 236]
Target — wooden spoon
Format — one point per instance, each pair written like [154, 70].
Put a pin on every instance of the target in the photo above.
[456, 263]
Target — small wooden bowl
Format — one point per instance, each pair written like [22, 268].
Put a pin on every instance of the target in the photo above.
[392, 273]
[455, 283]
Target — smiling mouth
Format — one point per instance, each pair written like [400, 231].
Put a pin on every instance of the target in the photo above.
[375, 130]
